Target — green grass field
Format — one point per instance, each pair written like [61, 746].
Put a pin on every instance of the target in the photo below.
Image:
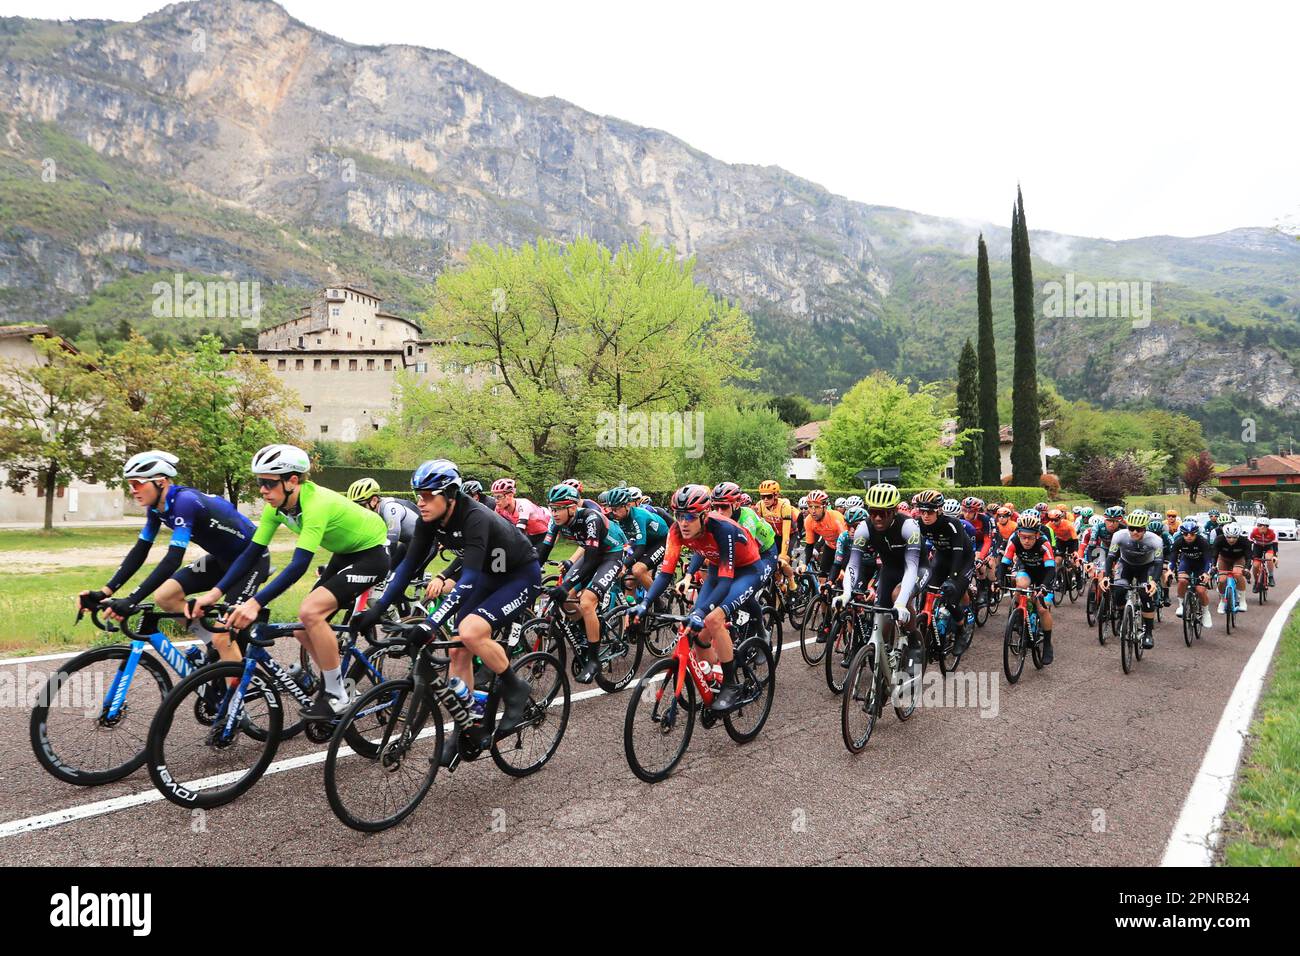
[1263, 821]
[37, 611]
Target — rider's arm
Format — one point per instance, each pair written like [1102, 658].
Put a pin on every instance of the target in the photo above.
[1049, 567]
[672, 551]
[135, 558]
[242, 565]
[547, 543]
[591, 541]
[912, 562]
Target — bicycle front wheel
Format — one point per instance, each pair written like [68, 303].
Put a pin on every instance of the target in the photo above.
[1013, 646]
[816, 624]
[528, 748]
[840, 652]
[756, 673]
[379, 787]
[206, 749]
[860, 703]
[71, 734]
[1126, 639]
[659, 721]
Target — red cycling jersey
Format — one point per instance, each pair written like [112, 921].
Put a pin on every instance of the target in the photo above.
[721, 541]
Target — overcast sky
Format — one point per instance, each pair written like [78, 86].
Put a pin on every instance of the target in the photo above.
[1119, 119]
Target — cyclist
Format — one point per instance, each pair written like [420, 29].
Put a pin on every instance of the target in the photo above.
[491, 581]
[1213, 523]
[356, 538]
[981, 524]
[953, 561]
[1137, 557]
[211, 522]
[531, 519]
[645, 531]
[1173, 524]
[892, 542]
[1157, 527]
[399, 515]
[594, 566]
[474, 490]
[1067, 541]
[780, 514]
[1031, 558]
[1263, 549]
[1230, 553]
[1191, 555]
[821, 530]
[854, 517]
[727, 501]
[733, 557]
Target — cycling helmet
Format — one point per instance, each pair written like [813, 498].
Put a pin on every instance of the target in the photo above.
[634, 494]
[839, 504]
[769, 487]
[363, 489]
[573, 483]
[563, 494]
[617, 497]
[1041, 507]
[1213, 512]
[1076, 511]
[1115, 512]
[472, 488]
[1189, 527]
[727, 493]
[1261, 523]
[1137, 520]
[150, 464]
[1056, 514]
[882, 496]
[503, 486]
[817, 498]
[928, 500]
[971, 503]
[854, 501]
[1232, 530]
[745, 500]
[952, 507]
[1004, 513]
[437, 475]
[1155, 523]
[855, 516]
[696, 499]
[603, 498]
[280, 460]
[1086, 513]
[803, 503]
[1029, 521]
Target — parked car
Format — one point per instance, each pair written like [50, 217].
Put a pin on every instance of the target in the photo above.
[1285, 528]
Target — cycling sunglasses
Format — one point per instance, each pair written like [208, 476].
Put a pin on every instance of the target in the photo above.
[685, 516]
[269, 482]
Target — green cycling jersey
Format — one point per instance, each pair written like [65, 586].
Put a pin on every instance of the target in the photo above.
[325, 519]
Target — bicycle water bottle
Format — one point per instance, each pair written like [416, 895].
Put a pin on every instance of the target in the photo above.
[196, 655]
[941, 621]
[479, 704]
[462, 692]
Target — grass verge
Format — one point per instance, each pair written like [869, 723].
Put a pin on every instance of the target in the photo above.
[1263, 819]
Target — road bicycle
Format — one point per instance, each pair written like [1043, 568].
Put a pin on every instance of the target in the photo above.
[384, 754]
[1192, 611]
[880, 670]
[101, 736]
[215, 735]
[988, 597]
[815, 630]
[1131, 630]
[851, 630]
[1230, 603]
[661, 711]
[945, 632]
[620, 651]
[1024, 635]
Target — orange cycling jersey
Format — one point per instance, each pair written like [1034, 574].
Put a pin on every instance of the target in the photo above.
[828, 528]
[1064, 530]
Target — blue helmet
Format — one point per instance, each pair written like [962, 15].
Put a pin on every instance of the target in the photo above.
[855, 516]
[437, 475]
[1189, 527]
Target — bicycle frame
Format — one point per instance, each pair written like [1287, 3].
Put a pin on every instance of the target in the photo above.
[688, 662]
[173, 657]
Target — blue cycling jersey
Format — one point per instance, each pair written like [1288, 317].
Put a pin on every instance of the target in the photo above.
[643, 527]
[211, 522]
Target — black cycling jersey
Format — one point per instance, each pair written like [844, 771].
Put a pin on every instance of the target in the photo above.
[1197, 549]
[1232, 550]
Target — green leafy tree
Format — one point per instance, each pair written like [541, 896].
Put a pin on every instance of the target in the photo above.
[741, 445]
[1026, 462]
[990, 448]
[880, 423]
[795, 410]
[565, 340]
[60, 420]
[967, 465]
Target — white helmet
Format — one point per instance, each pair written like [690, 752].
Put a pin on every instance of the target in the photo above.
[280, 460]
[1262, 523]
[150, 464]
[1232, 531]
[951, 507]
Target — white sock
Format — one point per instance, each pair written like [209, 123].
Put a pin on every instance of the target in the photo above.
[334, 682]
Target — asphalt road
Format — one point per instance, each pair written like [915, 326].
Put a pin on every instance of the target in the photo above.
[1077, 764]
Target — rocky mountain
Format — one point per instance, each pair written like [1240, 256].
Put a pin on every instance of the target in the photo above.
[225, 138]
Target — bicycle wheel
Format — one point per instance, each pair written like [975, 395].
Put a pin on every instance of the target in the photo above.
[71, 737]
[200, 752]
[774, 631]
[1126, 639]
[1074, 584]
[1036, 650]
[982, 608]
[840, 648]
[1090, 603]
[659, 722]
[620, 655]
[816, 623]
[797, 601]
[1230, 610]
[1013, 646]
[1191, 617]
[860, 703]
[905, 700]
[528, 748]
[379, 789]
[756, 673]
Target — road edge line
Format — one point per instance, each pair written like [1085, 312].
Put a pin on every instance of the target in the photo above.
[1195, 835]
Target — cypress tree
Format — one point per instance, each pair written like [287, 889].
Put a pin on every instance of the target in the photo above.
[990, 459]
[1026, 465]
[967, 471]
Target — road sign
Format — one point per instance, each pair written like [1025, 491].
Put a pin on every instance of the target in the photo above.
[872, 476]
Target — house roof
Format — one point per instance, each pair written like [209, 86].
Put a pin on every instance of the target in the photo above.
[32, 331]
[1265, 466]
[808, 433]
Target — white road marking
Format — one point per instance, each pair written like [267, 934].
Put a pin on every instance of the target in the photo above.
[1196, 834]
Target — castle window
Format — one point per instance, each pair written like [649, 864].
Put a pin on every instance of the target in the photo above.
[352, 365]
[388, 365]
[297, 364]
[307, 409]
[334, 363]
[370, 363]
[315, 364]
[280, 364]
